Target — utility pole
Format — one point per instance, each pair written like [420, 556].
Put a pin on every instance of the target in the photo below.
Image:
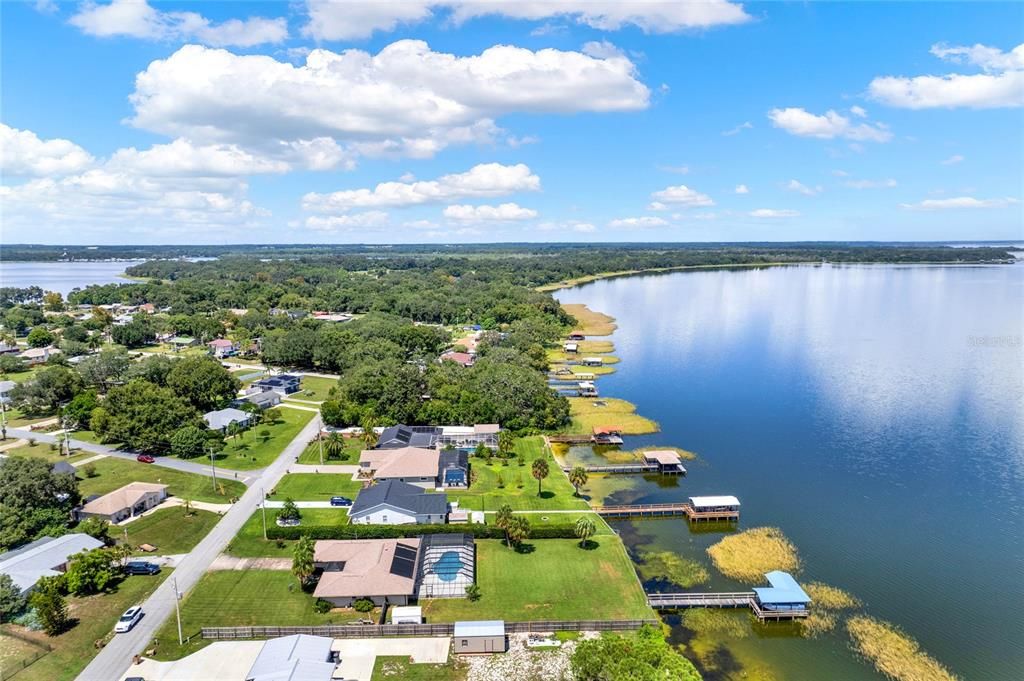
[3, 418]
[320, 439]
[213, 468]
[177, 608]
[67, 438]
[263, 507]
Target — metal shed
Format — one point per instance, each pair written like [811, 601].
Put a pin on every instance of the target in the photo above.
[486, 636]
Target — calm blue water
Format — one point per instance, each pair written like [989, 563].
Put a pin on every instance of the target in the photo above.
[874, 413]
[447, 566]
[62, 276]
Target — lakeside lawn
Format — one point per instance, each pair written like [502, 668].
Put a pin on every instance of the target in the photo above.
[249, 542]
[314, 388]
[170, 530]
[588, 412]
[549, 579]
[316, 487]
[249, 450]
[229, 598]
[96, 616]
[112, 472]
[353, 447]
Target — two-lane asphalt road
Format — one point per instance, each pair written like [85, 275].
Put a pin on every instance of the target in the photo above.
[115, 658]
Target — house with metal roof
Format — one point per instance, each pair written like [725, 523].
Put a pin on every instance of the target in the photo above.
[223, 418]
[45, 557]
[300, 657]
[396, 503]
[784, 596]
[486, 636]
[5, 391]
[264, 399]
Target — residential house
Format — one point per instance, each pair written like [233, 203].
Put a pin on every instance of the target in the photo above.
[148, 308]
[299, 657]
[223, 418]
[331, 317]
[264, 399]
[182, 342]
[45, 557]
[34, 356]
[397, 437]
[5, 391]
[125, 502]
[285, 384]
[462, 358]
[414, 465]
[222, 347]
[383, 570]
[9, 348]
[391, 502]
[469, 437]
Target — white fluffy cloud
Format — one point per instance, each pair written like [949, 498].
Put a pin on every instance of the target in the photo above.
[371, 219]
[801, 188]
[742, 189]
[745, 125]
[960, 202]
[952, 160]
[773, 213]
[344, 20]
[638, 223]
[505, 212]
[680, 196]
[405, 100]
[800, 122]
[480, 181]
[580, 226]
[871, 184]
[182, 158]
[23, 153]
[1000, 85]
[137, 19]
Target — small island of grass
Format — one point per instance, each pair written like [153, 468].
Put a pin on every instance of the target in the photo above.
[748, 555]
[587, 412]
[589, 322]
[670, 567]
[894, 653]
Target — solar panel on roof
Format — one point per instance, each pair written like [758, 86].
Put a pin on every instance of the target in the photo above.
[403, 567]
[405, 551]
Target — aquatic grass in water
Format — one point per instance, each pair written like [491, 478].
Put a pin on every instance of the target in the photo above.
[589, 322]
[747, 556]
[717, 623]
[671, 567]
[830, 597]
[817, 623]
[588, 412]
[894, 653]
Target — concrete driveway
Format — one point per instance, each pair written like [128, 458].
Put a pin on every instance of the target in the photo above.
[359, 654]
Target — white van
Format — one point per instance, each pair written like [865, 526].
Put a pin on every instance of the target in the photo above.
[128, 619]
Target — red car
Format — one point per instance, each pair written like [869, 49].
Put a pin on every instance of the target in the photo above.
[145, 458]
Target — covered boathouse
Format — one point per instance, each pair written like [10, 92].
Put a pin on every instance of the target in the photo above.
[783, 599]
[714, 508]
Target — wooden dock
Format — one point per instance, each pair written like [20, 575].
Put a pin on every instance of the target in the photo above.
[735, 599]
[571, 439]
[632, 468]
[664, 510]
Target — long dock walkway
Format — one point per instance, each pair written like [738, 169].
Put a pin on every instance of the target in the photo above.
[664, 510]
[623, 468]
[734, 599]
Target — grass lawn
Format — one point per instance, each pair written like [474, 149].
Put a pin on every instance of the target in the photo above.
[96, 617]
[42, 450]
[401, 669]
[549, 579]
[353, 447]
[314, 388]
[249, 542]
[16, 419]
[17, 377]
[316, 487]
[586, 414]
[244, 598]
[168, 529]
[86, 436]
[589, 322]
[112, 473]
[249, 450]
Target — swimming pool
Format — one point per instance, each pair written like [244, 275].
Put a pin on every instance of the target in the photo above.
[447, 566]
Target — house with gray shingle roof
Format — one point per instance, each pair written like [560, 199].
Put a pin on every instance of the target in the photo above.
[396, 503]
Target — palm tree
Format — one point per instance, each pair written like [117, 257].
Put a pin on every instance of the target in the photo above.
[585, 529]
[503, 521]
[334, 445]
[369, 434]
[578, 477]
[506, 444]
[518, 529]
[539, 471]
[302, 560]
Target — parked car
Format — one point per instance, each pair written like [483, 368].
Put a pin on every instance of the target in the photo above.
[128, 620]
[341, 501]
[141, 567]
[144, 458]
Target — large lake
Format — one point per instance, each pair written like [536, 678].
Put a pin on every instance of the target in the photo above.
[873, 413]
[62, 276]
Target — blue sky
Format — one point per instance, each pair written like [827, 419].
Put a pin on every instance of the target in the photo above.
[547, 121]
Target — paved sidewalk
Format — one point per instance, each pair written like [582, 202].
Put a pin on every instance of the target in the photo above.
[304, 504]
[97, 457]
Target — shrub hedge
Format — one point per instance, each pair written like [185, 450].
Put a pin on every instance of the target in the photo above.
[400, 531]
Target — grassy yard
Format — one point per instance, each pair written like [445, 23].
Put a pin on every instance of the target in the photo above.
[549, 579]
[249, 542]
[96, 616]
[316, 487]
[86, 436]
[589, 322]
[112, 473]
[401, 669]
[42, 450]
[16, 419]
[169, 529]
[588, 412]
[249, 450]
[353, 446]
[243, 598]
[314, 388]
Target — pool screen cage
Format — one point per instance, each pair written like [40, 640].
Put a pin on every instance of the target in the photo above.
[447, 565]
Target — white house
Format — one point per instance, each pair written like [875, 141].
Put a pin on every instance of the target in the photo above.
[397, 503]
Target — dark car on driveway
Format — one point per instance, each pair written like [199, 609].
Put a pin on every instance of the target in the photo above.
[144, 458]
[341, 501]
[141, 567]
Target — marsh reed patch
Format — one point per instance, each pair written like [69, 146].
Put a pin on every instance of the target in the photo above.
[893, 652]
[671, 567]
[748, 555]
[830, 597]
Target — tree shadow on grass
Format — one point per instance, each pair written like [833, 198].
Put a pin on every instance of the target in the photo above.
[546, 495]
[590, 545]
[524, 548]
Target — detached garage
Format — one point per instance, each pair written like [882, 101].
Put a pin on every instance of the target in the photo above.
[480, 637]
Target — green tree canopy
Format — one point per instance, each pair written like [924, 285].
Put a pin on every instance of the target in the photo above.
[203, 382]
[48, 388]
[644, 656]
[144, 416]
[33, 500]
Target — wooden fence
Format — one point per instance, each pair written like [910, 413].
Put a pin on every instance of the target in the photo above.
[446, 629]
[12, 666]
